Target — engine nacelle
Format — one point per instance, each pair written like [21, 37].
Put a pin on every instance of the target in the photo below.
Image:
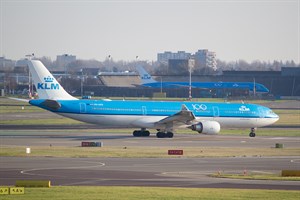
[207, 127]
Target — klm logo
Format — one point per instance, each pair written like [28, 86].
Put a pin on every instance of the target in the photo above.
[146, 76]
[244, 109]
[48, 84]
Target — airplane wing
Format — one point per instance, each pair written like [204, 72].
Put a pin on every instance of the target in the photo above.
[53, 104]
[185, 116]
[17, 99]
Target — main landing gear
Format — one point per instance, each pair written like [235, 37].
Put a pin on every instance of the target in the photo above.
[145, 133]
[164, 134]
[252, 133]
[141, 133]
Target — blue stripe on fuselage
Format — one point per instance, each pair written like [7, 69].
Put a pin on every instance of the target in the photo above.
[154, 108]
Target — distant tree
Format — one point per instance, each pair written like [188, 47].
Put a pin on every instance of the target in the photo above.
[162, 69]
[47, 62]
[115, 69]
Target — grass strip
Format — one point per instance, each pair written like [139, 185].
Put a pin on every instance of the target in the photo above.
[254, 176]
[149, 193]
[143, 152]
[280, 132]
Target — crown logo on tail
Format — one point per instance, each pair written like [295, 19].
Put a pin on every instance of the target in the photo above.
[48, 79]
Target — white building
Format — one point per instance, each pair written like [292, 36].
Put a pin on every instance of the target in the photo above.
[167, 55]
[64, 60]
[6, 63]
[203, 58]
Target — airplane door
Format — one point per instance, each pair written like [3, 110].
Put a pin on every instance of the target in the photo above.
[82, 108]
[144, 110]
[216, 111]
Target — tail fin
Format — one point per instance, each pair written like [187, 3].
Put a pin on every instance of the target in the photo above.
[145, 76]
[46, 85]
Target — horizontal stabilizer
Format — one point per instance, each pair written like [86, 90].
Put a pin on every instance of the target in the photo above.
[17, 99]
[52, 104]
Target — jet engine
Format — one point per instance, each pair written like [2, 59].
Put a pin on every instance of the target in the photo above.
[207, 127]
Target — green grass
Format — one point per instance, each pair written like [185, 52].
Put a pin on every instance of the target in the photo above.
[150, 193]
[7, 101]
[24, 108]
[255, 176]
[234, 132]
[143, 152]
[288, 117]
[294, 132]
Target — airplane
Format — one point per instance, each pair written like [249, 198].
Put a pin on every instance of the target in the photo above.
[165, 116]
[148, 81]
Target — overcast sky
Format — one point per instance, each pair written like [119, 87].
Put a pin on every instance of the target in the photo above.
[249, 30]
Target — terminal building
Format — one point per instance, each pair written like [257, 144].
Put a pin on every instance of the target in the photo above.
[280, 83]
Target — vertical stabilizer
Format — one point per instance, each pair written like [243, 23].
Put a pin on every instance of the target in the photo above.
[46, 85]
[145, 76]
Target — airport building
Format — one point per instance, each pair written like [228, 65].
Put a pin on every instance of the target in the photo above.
[279, 83]
[178, 66]
[167, 55]
[6, 63]
[203, 58]
[64, 60]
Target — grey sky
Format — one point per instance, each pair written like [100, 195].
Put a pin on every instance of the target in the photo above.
[249, 30]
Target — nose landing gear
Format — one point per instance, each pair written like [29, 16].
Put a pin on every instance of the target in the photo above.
[252, 133]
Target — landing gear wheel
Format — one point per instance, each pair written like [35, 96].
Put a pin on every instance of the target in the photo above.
[169, 134]
[160, 134]
[141, 133]
[146, 133]
[252, 134]
[164, 135]
[136, 133]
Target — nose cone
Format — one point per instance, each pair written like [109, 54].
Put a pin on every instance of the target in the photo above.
[267, 116]
[273, 117]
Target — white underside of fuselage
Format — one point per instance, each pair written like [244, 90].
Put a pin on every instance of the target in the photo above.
[144, 121]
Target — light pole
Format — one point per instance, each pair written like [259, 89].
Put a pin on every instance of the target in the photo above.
[161, 84]
[254, 88]
[191, 64]
[109, 57]
[29, 57]
[81, 83]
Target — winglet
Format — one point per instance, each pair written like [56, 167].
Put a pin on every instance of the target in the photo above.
[17, 99]
[184, 108]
